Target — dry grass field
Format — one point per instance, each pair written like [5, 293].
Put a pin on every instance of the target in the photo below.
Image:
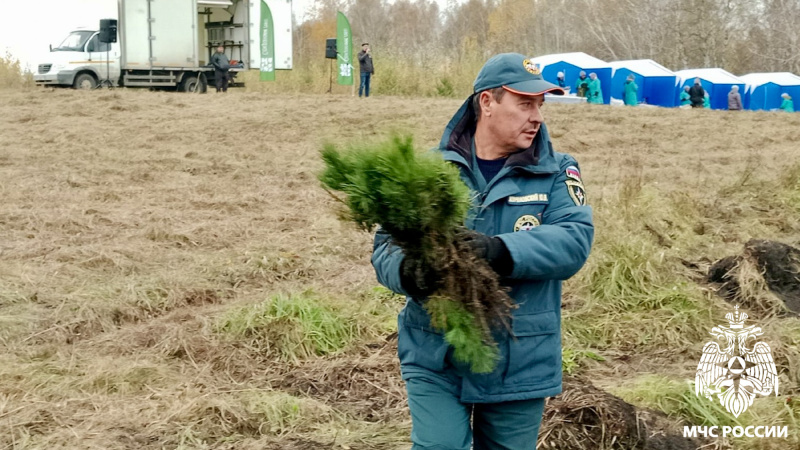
[173, 276]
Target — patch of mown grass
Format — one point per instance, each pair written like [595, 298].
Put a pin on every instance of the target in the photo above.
[302, 325]
[677, 399]
[572, 359]
[279, 413]
[635, 292]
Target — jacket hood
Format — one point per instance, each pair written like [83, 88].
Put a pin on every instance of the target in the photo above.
[456, 143]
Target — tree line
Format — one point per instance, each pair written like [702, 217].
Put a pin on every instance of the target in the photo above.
[741, 36]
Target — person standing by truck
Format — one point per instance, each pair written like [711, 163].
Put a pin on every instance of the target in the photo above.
[221, 65]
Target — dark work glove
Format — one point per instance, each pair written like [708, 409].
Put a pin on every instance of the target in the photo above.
[491, 249]
[418, 278]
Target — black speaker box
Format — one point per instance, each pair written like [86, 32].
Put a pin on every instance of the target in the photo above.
[330, 48]
[108, 30]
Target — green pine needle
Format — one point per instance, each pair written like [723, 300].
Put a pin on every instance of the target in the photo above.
[412, 196]
[420, 200]
[459, 329]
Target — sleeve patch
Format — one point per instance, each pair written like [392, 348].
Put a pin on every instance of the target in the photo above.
[577, 192]
[574, 173]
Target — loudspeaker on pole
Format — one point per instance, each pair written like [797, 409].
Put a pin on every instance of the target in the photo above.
[108, 31]
[330, 48]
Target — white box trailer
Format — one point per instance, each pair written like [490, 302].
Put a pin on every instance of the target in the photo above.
[168, 44]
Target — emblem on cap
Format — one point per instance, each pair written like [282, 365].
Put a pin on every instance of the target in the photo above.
[533, 68]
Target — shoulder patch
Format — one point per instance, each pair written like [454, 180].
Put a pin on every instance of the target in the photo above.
[574, 173]
[576, 191]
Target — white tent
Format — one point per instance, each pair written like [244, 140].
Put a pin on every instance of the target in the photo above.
[656, 83]
[764, 90]
[716, 82]
[754, 80]
[571, 64]
[644, 67]
[713, 76]
[578, 59]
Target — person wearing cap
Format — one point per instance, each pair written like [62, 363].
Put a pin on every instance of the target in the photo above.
[787, 104]
[562, 83]
[367, 69]
[531, 224]
[630, 96]
[594, 92]
[582, 84]
[734, 99]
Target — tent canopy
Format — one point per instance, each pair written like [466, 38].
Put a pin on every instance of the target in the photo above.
[656, 83]
[572, 64]
[643, 67]
[753, 80]
[716, 82]
[764, 89]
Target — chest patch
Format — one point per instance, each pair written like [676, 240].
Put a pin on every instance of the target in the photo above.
[528, 198]
[526, 223]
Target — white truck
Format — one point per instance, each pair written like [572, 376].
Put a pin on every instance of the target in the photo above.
[168, 44]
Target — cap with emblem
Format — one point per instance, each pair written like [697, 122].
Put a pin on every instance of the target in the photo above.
[516, 73]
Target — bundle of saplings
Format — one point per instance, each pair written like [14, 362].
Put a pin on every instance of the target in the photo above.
[420, 201]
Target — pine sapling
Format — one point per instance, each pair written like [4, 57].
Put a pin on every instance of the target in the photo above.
[421, 202]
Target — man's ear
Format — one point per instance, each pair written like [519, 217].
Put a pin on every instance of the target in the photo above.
[485, 100]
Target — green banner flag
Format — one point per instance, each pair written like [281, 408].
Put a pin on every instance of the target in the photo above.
[267, 44]
[344, 48]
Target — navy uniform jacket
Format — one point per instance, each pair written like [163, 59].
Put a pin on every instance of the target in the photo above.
[537, 206]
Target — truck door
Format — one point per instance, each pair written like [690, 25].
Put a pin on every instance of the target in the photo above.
[98, 52]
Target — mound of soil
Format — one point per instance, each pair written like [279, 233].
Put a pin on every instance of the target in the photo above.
[585, 417]
[778, 263]
[366, 385]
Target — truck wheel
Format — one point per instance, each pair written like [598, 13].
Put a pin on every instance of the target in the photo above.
[193, 83]
[85, 81]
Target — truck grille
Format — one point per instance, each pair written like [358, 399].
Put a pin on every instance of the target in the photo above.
[44, 68]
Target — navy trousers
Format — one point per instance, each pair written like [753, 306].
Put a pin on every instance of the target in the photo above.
[364, 87]
[441, 422]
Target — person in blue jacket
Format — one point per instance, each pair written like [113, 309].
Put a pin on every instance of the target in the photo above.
[531, 223]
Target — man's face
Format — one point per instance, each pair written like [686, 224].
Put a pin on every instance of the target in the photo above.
[365, 48]
[220, 49]
[515, 120]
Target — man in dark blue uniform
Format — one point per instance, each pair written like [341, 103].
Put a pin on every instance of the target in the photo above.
[531, 223]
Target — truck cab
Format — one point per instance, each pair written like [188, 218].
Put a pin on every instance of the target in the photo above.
[80, 61]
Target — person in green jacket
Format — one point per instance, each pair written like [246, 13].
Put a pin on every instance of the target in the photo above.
[686, 99]
[631, 89]
[707, 101]
[787, 104]
[594, 91]
[582, 84]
